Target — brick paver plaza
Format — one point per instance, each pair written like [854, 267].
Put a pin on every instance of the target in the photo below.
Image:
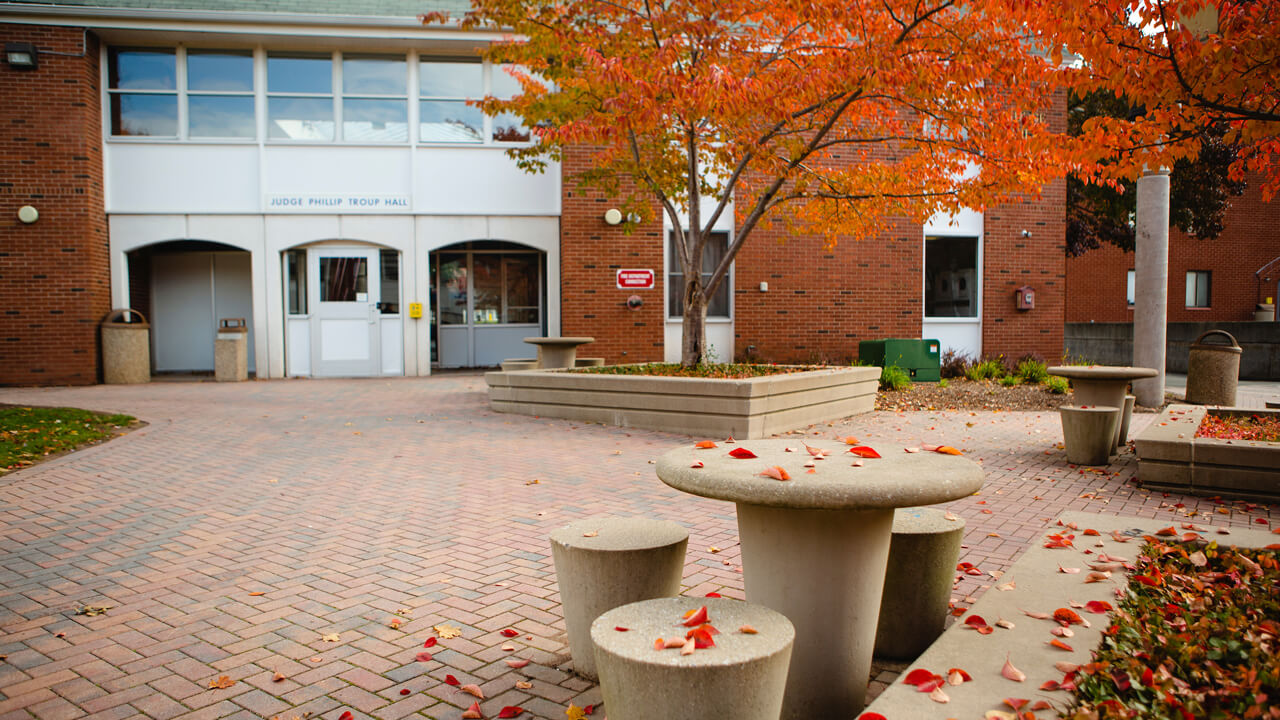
[249, 521]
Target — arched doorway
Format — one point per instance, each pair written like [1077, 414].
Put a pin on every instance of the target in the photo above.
[342, 311]
[185, 287]
[486, 297]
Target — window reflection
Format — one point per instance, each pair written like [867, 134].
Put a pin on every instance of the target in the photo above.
[453, 289]
[344, 279]
[951, 277]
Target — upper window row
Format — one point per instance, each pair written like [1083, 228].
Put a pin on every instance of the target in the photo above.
[212, 94]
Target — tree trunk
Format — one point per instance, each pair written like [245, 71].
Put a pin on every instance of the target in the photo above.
[693, 343]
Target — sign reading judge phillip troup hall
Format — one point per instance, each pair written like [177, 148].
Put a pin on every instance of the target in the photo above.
[635, 279]
[337, 202]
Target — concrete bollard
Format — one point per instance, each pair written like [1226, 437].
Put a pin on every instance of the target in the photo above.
[1089, 432]
[742, 677]
[917, 583]
[602, 563]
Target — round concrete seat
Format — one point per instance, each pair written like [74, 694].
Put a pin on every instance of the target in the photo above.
[1089, 432]
[917, 582]
[742, 677]
[602, 563]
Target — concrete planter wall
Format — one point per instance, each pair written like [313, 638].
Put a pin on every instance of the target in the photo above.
[751, 408]
[1170, 456]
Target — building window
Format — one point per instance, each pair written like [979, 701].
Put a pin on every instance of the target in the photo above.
[220, 94]
[506, 127]
[951, 277]
[300, 97]
[389, 260]
[375, 106]
[443, 114]
[1198, 288]
[142, 89]
[1129, 285]
[713, 252]
[295, 262]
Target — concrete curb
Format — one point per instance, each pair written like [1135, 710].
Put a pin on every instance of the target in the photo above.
[1039, 587]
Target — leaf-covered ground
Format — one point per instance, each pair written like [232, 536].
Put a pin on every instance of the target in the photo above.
[1195, 636]
[1240, 427]
[30, 434]
[723, 371]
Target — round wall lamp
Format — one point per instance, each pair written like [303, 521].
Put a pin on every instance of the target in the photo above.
[28, 214]
[613, 216]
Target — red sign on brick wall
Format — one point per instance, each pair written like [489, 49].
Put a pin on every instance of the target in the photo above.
[635, 279]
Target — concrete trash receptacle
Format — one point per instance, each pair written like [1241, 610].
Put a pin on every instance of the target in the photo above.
[126, 348]
[231, 351]
[1213, 371]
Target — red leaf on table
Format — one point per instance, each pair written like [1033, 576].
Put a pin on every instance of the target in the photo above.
[1167, 531]
[695, 617]
[863, 451]
[741, 453]
[871, 716]
[933, 683]
[1090, 532]
[471, 713]
[1097, 606]
[451, 680]
[713, 595]
[619, 628]
[1061, 645]
[697, 464]
[1067, 616]
[748, 630]
[918, 676]
[701, 636]
[1050, 685]
[948, 450]
[517, 664]
[1015, 703]
[1039, 705]
[346, 715]
[423, 657]
[705, 445]
[510, 711]
[955, 676]
[975, 621]
[509, 633]
[775, 472]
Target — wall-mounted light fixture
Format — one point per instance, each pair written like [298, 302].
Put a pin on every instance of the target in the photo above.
[28, 214]
[613, 216]
[21, 55]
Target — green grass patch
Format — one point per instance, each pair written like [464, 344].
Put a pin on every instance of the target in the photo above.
[985, 370]
[29, 434]
[720, 371]
[1032, 372]
[1010, 380]
[1194, 637]
[1057, 385]
[893, 377]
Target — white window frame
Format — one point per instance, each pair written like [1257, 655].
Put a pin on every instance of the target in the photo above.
[1195, 284]
[673, 267]
[1130, 285]
[185, 93]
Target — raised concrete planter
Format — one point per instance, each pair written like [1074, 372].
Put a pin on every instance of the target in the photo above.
[1170, 456]
[518, 364]
[588, 362]
[750, 408]
[917, 582]
[602, 563]
[742, 677]
[1089, 432]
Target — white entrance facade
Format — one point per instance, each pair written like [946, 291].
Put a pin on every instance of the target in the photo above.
[952, 282]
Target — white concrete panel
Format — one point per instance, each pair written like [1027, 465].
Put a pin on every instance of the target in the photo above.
[335, 169]
[299, 330]
[482, 181]
[242, 231]
[495, 344]
[182, 326]
[966, 222]
[233, 293]
[130, 232]
[455, 346]
[182, 177]
[393, 231]
[719, 340]
[285, 231]
[392, 335]
[344, 340]
[962, 336]
[436, 232]
[672, 333]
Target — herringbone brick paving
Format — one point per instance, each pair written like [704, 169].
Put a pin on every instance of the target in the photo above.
[345, 502]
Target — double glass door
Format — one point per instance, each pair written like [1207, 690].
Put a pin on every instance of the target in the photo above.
[486, 303]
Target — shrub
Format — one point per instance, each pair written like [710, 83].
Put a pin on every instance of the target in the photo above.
[954, 364]
[893, 377]
[1032, 371]
[991, 369]
[1056, 385]
[1010, 380]
[943, 383]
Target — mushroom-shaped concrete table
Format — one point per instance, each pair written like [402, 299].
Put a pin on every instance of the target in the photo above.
[558, 352]
[814, 547]
[1101, 385]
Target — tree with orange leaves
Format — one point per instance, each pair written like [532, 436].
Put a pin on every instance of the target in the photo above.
[830, 116]
[1194, 66]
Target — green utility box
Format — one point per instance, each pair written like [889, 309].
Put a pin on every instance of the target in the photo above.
[922, 359]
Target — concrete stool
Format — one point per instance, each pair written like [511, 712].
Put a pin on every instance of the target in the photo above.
[1089, 432]
[1122, 438]
[588, 362]
[515, 364]
[743, 677]
[624, 560]
[917, 582]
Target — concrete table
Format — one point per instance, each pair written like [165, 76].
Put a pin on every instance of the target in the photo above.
[1101, 385]
[815, 547]
[558, 352]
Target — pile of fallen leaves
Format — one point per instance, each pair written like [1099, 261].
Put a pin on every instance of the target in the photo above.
[1240, 427]
[1195, 636]
[718, 371]
[962, 394]
[29, 434]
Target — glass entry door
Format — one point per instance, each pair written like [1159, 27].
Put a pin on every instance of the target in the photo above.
[344, 298]
[487, 302]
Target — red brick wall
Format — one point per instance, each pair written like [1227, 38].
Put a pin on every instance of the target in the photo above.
[1010, 261]
[54, 277]
[1251, 239]
[591, 252]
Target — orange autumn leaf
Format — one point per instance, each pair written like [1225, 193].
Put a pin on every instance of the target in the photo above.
[1060, 645]
[258, 593]
[222, 683]
[948, 450]
[517, 663]
[956, 676]
[776, 472]
[693, 618]
[1067, 616]
[850, 440]
[863, 451]
[748, 630]
[472, 689]
[705, 445]
[741, 453]
[473, 712]
[1012, 672]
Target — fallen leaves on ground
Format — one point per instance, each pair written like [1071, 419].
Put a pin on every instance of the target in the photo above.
[446, 632]
[222, 683]
[472, 689]
[1012, 672]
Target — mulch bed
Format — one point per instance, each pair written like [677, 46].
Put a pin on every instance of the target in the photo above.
[962, 394]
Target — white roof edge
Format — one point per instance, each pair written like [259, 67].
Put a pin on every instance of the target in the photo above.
[86, 15]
